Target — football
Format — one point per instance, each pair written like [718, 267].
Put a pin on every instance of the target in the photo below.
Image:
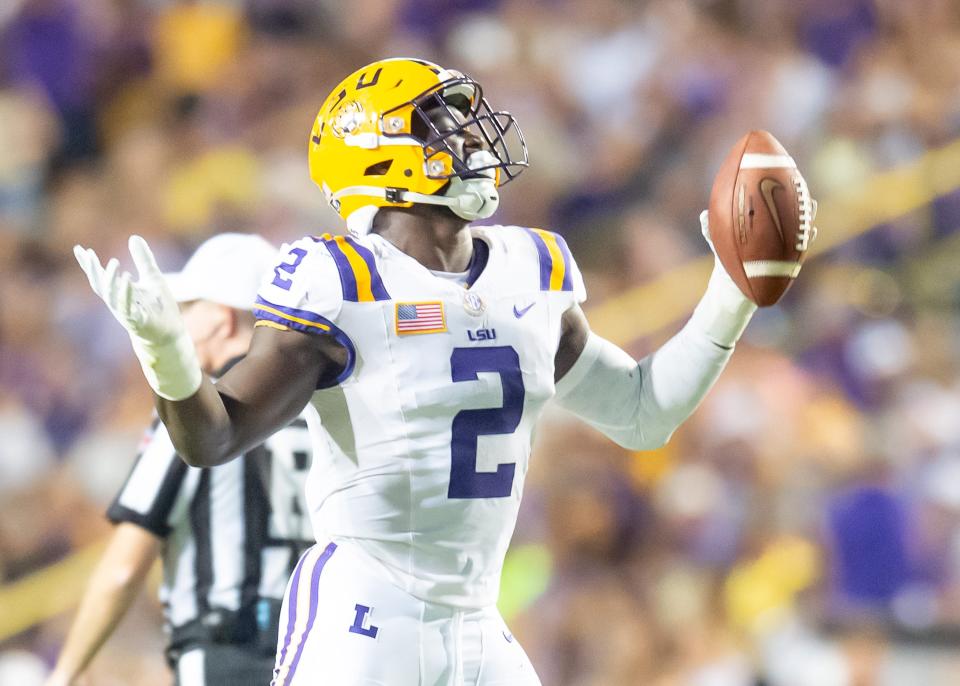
[761, 217]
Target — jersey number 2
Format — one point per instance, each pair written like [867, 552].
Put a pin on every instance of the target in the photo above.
[289, 268]
[469, 425]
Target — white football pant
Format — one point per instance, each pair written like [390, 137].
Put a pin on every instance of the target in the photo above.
[342, 624]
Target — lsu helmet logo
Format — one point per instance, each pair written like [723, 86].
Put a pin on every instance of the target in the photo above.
[348, 119]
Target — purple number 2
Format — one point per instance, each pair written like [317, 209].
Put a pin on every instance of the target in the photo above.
[469, 425]
[289, 268]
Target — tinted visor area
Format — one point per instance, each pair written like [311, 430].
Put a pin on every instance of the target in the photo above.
[454, 118]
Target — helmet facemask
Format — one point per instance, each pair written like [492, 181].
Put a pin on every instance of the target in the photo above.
[461, 99]
[476, 150]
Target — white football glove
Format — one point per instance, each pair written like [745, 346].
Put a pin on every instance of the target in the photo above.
[151, 316]
[724, 311]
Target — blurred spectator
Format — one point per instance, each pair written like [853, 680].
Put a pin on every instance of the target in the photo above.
[51, 46]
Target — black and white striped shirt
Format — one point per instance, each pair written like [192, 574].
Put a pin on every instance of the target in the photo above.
[232, 533]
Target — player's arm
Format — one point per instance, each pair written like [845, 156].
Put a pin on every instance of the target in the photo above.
[115, 583]
[209, 424]
[639, 404]
[258, 396]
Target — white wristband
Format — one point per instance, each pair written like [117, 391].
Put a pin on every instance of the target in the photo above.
[723, 312]
[171, 368]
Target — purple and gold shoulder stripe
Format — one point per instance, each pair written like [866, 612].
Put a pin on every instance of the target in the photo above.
[282, 317]
[555, 260]
[357, 266]
[292, 318]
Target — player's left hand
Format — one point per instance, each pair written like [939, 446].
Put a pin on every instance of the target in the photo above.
[717, 266]
[718, 271]
[724, 310]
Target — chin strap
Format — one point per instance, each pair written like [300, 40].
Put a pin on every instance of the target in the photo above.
[467, 198]
[473, 198]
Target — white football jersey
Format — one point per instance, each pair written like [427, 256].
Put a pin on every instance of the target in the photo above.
[423, 442]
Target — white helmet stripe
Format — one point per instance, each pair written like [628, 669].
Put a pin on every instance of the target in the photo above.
[370, 141]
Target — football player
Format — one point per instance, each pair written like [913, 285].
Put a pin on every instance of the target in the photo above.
[429, 348]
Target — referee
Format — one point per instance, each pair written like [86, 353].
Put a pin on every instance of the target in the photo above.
[229, 536]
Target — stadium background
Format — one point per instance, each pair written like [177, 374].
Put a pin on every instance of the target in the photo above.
[803, 528]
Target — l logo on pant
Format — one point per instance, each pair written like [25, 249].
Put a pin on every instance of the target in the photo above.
[358, 623]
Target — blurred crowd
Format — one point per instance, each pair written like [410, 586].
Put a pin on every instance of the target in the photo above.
[802, 529]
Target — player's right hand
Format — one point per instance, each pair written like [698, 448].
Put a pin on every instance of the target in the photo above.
[150, 314]
[145, 308]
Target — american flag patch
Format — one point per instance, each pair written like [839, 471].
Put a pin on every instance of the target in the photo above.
[420, 318]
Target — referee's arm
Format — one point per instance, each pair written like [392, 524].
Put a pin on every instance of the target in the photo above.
[115, 583]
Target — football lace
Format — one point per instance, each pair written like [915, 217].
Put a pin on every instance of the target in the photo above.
[805, 202]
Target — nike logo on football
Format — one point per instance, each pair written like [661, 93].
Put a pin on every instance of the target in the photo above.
[767, 187]
[519, 313]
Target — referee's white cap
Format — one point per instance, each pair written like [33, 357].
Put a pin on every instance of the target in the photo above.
[228, 268]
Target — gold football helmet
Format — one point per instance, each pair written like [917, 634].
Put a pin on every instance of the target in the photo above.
[393, 133]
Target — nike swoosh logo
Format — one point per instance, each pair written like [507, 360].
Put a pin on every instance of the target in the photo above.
[507, 636]
[767, 187]
[519, 313]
